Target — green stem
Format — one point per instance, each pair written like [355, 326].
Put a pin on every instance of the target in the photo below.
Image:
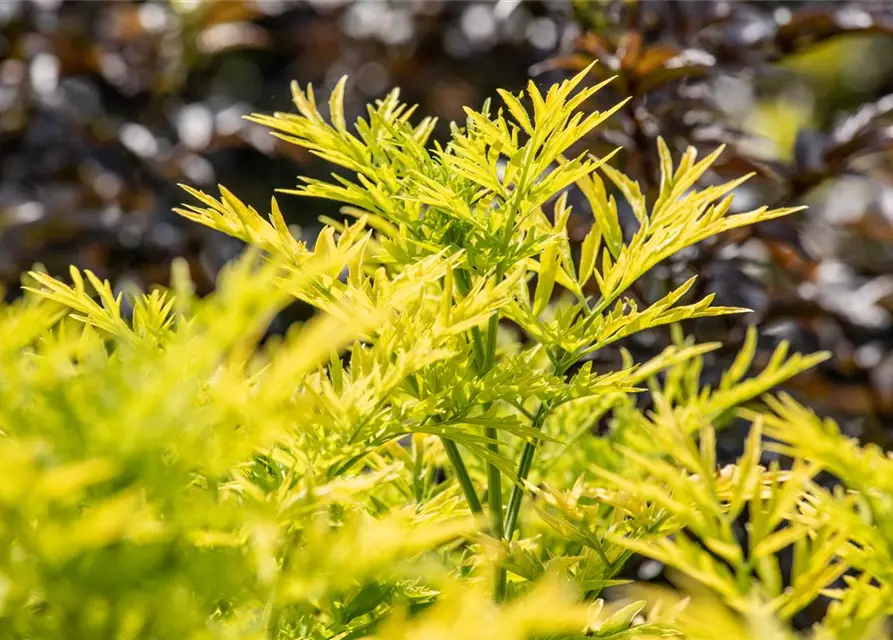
[514, 506]
[485, 358]
[494, 498]
[562, 364]
[462, 476]
[494, 477]
[471, 497]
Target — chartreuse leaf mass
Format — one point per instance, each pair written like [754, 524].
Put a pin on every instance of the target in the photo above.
[420, 459]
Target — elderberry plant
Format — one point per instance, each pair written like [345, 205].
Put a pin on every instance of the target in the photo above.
[420, 460]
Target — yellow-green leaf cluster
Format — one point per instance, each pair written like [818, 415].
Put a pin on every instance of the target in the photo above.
[433, 454]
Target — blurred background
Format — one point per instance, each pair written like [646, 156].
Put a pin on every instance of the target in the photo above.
[106, 106]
